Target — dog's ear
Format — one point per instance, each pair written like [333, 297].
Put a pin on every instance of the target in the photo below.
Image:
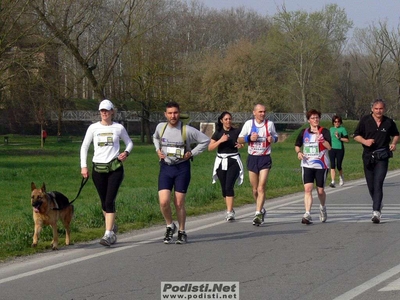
[33, 186]
[43, 188]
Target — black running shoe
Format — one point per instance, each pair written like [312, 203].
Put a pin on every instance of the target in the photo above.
[182, 238]
[169, 234]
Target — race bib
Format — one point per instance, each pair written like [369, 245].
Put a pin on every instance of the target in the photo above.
[311, 149]
[177, 152]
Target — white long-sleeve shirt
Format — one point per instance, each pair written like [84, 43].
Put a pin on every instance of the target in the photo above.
[106, 141]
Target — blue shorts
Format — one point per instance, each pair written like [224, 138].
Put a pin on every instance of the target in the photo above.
[175, 177]
[256, 163]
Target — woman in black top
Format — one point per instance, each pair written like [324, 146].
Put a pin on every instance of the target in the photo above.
[228, 166]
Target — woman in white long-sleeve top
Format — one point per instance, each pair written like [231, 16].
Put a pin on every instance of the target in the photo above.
[108, 170]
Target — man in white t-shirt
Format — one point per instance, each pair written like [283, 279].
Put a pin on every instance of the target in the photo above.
[259, 133]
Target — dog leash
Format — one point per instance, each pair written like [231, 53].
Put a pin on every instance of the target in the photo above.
[83, 182]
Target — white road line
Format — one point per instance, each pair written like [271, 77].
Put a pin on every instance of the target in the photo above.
[106, 252]
[393, 286]
[369, 284]
[73, 261]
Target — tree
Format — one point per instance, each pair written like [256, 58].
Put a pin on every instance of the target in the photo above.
[15, 55]
[306, 44]
[371, 56]
[93, 31]
[391, 40]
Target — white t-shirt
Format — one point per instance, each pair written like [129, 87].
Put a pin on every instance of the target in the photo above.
[106, 142]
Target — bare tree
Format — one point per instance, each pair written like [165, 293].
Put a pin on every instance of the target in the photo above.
[391, 40]
[371, 57]
[20, 56]
[93, 31]
[14, 28]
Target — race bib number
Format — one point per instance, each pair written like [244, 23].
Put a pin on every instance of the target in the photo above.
[177, 152]
[311, 149]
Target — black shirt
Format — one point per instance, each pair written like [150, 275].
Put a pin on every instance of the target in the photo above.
[229, 145]
[368, 129]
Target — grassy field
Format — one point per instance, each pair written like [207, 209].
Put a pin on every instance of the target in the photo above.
[22, 161]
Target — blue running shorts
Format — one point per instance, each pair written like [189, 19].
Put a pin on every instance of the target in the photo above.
[175, 177]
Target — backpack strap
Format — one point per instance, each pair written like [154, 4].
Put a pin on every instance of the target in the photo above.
[183, 132]
[163, 130]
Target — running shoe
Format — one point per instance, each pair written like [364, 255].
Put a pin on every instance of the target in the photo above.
[306, 219]
[264, 213]
[230, 215]
[108, 240]
[113, 239]
[376, 217]
[169, 234]
[258, 218]
[182, 237]
[341, 181]
[332, 185]
[115, 228]
[322, 214]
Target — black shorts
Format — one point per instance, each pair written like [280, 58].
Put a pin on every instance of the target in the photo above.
[318, 175]
[256, 163]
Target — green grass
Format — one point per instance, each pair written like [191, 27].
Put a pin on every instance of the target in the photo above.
[22, 161]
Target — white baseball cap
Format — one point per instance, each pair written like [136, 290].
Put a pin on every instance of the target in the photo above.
[106, 104]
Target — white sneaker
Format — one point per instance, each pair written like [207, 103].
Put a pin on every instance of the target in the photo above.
[306, 219]
[230, 215]
[108, 240]
[341, 182]
[322, 214]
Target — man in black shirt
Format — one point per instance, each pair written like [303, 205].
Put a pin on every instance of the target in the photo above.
[378, 135]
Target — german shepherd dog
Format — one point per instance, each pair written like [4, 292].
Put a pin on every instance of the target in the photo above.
[48, 208]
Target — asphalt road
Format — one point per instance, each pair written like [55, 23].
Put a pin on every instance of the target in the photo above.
[348, 257]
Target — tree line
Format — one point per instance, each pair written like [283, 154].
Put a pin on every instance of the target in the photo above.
[58, 55]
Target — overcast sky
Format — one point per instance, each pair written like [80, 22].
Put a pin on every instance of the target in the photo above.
[361, 12]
